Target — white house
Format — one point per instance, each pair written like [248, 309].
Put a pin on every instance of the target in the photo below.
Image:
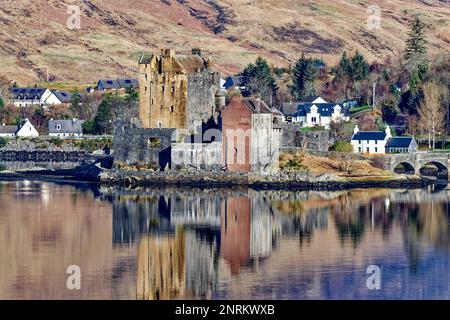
[319, 114]
[381, 142]
[26, 129]
[24, 97]
[65, 128]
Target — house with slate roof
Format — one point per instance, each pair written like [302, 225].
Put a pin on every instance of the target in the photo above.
[319, 114]
[313, 111]
[65, 128]
[23, 97]
[381, 142]
[401, 145]
[234, 82]
[25, 129]
[117, 84]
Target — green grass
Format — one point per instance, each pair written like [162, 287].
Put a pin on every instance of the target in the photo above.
[360, 109]
[63, 86]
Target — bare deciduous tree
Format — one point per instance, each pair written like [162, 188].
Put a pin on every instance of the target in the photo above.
[432, 113]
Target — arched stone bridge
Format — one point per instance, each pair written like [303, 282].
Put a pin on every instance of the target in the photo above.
[413, 162]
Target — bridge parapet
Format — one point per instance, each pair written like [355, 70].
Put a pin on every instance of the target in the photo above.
[416, 160]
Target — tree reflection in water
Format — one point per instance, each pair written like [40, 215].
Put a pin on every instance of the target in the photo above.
[239, 244]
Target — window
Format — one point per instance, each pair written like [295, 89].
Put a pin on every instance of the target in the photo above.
[367, 150]
[159, 123]
[171, 109]
[58, 127]
[180, 154]
[368, 141]
[376, 141]
[162, 88]
[376, 149]
[359, 149]
[359, 141]
[145, 88]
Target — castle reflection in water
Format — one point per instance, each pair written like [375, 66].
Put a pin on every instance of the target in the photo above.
[221, 243]
[186, 238]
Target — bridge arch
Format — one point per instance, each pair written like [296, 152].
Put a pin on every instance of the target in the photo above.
[434, 168]
[404, 167]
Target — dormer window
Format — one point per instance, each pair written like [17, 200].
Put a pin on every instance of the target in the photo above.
[58, 127]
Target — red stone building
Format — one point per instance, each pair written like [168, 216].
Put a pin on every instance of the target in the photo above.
[251, 135]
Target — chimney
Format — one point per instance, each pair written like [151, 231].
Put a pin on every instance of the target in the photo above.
[388, 132]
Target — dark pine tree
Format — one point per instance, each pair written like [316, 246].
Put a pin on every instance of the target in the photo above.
[304, 75]
[416, 42]
[259, 81]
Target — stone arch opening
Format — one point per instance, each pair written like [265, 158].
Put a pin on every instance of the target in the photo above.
[404, 168]
[434, 169]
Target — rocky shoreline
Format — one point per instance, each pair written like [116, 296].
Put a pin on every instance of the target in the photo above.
[102, 173]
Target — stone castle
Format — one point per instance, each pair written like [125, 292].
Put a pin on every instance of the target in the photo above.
[177, 91]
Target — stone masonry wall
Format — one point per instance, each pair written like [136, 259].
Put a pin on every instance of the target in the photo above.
[134, 145]
[319, 140]
[202, 88]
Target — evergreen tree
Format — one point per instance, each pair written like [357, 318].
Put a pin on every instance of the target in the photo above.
[75, 104]
[416, 42]
[102, 120]
[359, 68]
[304, 75]
[259, 81]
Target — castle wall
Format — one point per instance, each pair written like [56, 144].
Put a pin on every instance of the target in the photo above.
[134, 145]
[202, 88]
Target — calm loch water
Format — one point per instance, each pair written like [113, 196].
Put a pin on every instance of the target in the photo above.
[222, 244]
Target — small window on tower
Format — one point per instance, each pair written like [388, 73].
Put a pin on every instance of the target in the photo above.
[171, 109]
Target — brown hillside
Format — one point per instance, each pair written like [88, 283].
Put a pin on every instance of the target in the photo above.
[34, 38]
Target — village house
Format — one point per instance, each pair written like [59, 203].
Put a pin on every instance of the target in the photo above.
[292, 107]
[177, 91]
[120, 84]
[234, 83]
[251, 134]
[25, 129]
[65, 128]
[24, 97]
[381, 142]
[314, 112]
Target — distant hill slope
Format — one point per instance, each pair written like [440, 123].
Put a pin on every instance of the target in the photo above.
[34, 39]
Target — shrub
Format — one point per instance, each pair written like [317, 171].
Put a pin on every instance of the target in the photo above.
[342, 146]
[2, 168]
[292, 162]
[56, 141]
[3, 142]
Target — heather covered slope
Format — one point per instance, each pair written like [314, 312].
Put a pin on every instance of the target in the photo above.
[34, 39]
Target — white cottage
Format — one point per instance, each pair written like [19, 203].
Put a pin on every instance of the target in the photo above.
[24, 97]
[373, 142]
[26, 129]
